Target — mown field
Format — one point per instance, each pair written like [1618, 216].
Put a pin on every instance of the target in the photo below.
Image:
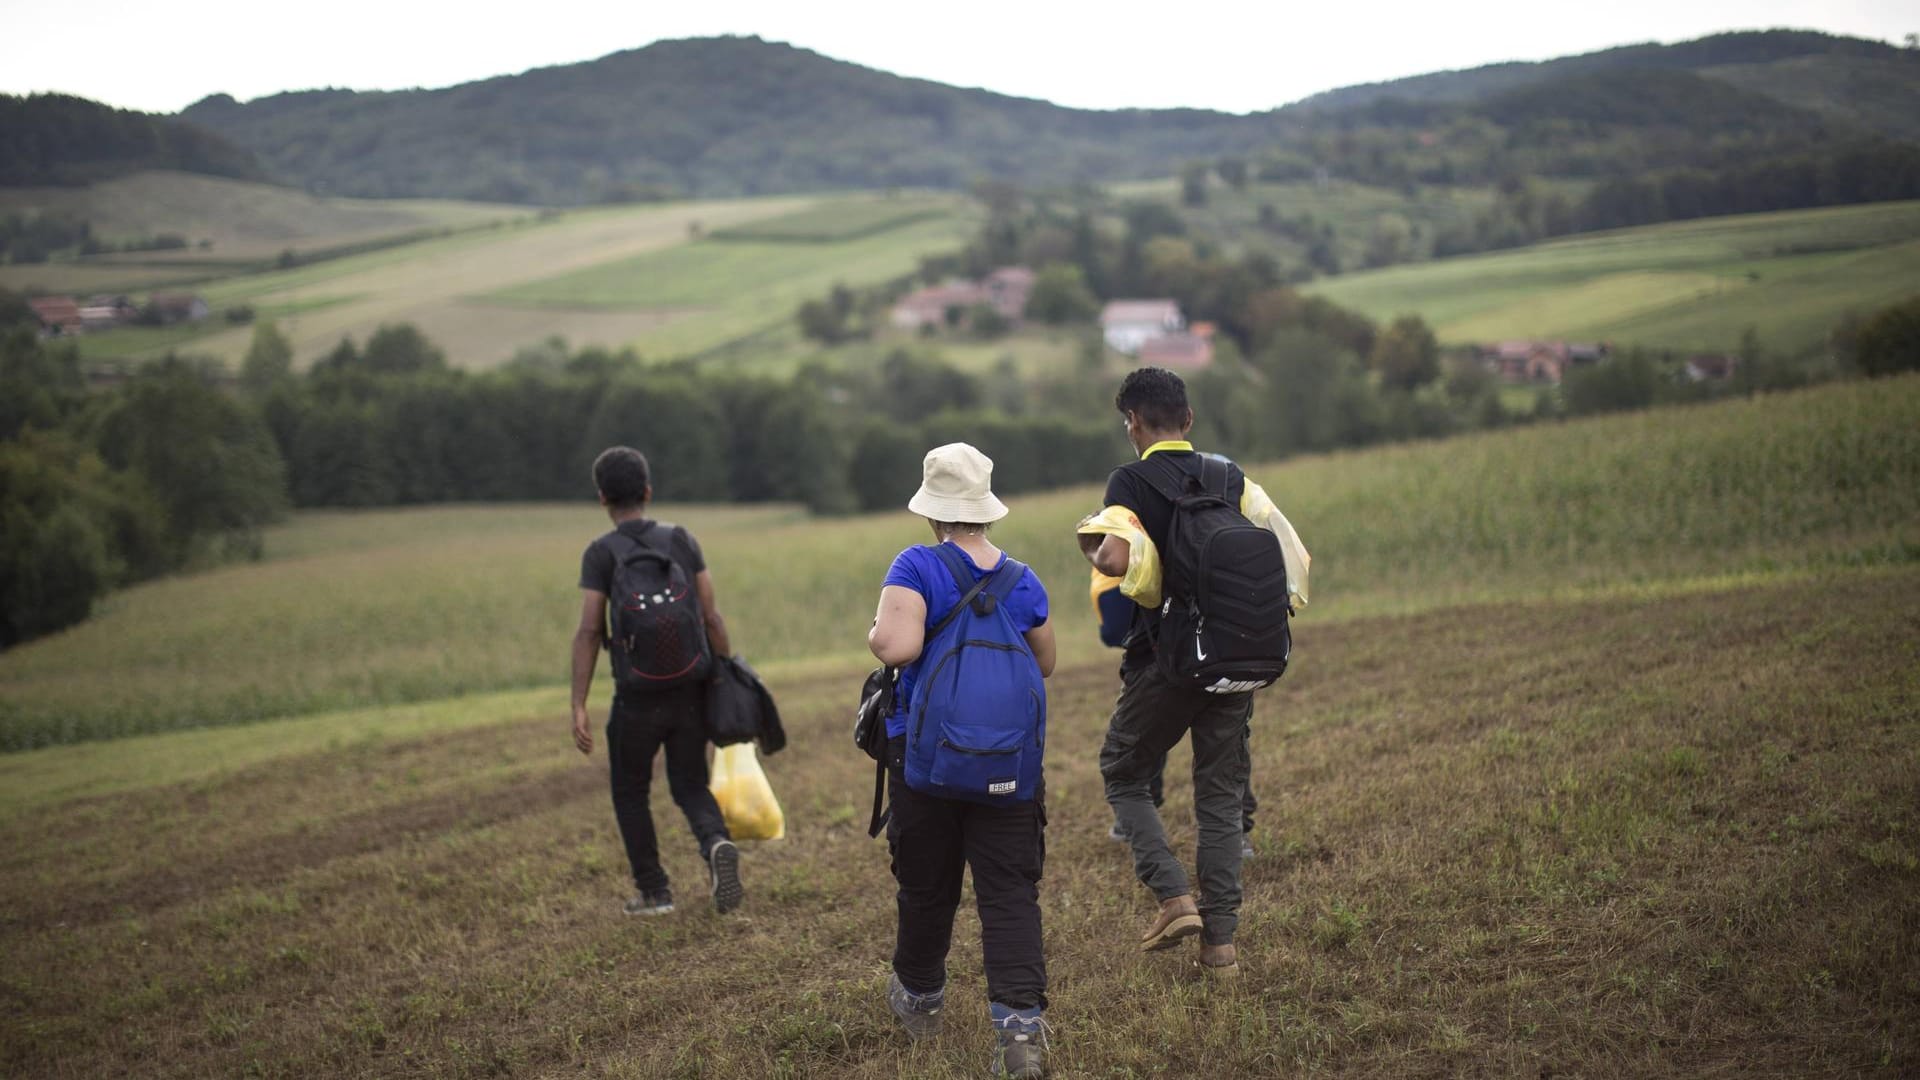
[245, 224]
[367, 608]
[668, 279]
[1689, 285]
[1599, 756]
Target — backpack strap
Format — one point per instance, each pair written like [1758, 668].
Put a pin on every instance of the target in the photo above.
[1168, 479]
[1213, 476]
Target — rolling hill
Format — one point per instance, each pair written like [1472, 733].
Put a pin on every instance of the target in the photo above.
[730, 116]
[1693, 285]
[61, 139]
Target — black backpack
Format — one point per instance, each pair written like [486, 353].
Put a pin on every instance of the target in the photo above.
[657, 634]
[1223, 624]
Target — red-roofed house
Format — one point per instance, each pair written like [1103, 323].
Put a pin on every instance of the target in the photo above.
[1129, 324]
[1539, 361]
[179, 307]
[1005, 290]
[1191, 350]
[58, 314]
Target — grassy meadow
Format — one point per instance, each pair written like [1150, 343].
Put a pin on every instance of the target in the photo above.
[244, 223]
[1687, 285]
[352, 609]
[669, 279]
[1598, 756]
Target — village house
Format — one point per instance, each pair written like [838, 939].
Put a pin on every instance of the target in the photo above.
[1005, 291]
[58, 315]
[1539, 361]
[1129, 324]
[1190, 350]
[179, 307]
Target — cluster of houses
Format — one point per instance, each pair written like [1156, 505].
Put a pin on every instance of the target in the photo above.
[61, 316]
[1153, 331]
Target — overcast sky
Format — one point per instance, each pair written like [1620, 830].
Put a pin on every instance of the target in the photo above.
[1235, 55]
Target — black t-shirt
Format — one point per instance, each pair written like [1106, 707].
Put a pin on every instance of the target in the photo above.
[1132, 486]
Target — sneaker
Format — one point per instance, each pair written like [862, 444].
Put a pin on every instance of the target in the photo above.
[657, 902]
[1019, 1041]
[1178, 918]
[1219, 961]
[918, 1013]
[723, 862]
[1246, 846]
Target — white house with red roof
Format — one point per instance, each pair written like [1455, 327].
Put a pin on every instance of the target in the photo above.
[1129, 324]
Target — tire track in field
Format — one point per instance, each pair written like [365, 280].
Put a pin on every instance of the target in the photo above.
[263, 860]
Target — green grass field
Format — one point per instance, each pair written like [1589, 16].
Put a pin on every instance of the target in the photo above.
[356, 609]
[1688, 286]
[1597, 757]
[707, 294]
[847, 219]
[653, 277]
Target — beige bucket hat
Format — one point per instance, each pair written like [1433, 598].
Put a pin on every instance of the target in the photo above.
[956, 485]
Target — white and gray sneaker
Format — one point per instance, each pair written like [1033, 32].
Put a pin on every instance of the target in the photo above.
[723, 863]
[918, 1013]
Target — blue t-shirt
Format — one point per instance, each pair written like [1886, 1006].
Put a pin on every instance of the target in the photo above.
[920, 568]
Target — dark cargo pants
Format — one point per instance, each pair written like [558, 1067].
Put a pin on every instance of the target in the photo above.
[1148, 720]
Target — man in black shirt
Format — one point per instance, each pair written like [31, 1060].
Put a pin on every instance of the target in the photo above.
[1153, 713]
[641, 724]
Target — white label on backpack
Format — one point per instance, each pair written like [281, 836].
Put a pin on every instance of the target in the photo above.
[1002, 787]
[1227, 686]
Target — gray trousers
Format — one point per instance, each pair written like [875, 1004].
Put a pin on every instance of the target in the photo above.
[1148, 720]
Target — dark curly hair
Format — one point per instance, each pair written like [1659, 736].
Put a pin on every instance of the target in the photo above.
[1157, 395]
[621, 474]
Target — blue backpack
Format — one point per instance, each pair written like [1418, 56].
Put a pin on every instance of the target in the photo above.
[978, 720]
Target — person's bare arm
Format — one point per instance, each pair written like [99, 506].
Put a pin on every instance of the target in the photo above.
[1111, 557]
[899, 627]
[586, 652]
[1040, 640]
[716, 626]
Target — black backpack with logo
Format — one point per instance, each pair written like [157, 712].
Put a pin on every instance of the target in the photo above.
[657, 633]
[1223, 623]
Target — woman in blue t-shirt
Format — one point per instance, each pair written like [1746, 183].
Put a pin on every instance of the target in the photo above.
[934, 839]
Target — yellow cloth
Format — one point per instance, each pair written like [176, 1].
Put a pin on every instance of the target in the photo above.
[1101, 583]
[746, 800]
[1142, 581]
[1141, 584]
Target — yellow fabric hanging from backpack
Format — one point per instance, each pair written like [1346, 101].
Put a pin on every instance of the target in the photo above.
[746, 800]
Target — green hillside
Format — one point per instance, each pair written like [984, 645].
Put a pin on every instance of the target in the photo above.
[61, 139]
[482, 281]
[1691, 285]
[740, 116]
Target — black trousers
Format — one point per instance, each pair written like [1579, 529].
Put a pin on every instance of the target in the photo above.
[933, 841]
[637, 730]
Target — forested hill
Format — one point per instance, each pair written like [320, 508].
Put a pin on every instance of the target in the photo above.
[59, 139]
[1868, 84]
[712, 116]
[733, 116]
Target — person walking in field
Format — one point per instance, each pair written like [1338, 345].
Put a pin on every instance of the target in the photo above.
[646, 594]
[1191, 679]
[967, 627]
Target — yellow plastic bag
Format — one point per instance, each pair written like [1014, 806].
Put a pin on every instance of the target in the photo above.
[746, 799]
[1259, 509]
[1142, 581]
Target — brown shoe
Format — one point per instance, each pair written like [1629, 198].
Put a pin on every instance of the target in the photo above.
[1178, 918]
[1219, 961]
